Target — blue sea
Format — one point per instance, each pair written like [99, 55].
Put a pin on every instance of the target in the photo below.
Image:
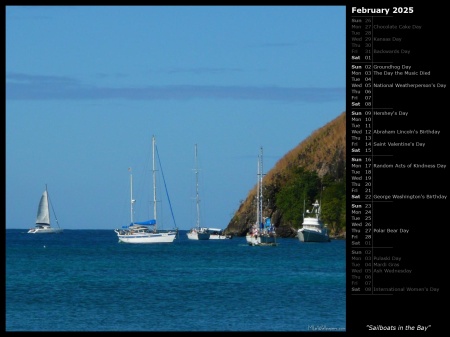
[85, 280]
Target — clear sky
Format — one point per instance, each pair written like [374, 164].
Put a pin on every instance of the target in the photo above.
[87, 87]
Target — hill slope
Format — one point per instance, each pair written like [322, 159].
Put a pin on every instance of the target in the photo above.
[321, 156]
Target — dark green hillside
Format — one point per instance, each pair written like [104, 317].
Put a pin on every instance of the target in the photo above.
[314, 169]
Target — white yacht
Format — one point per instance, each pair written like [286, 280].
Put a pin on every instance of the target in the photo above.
[313, 229]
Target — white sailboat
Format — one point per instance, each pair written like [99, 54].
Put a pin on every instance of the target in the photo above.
[262, 233]
[217, 233]
[313, 229]
[43, 217]
[197, 233]
[145, 231]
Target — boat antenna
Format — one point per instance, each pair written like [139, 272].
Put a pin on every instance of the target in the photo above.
[320, 197]
[304, 204]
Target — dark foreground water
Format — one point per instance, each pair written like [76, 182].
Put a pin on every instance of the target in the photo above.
[84, 280]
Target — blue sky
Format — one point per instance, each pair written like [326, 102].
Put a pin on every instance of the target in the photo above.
[87, 87]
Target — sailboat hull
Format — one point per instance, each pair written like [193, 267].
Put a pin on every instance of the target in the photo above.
[45, 230]
[261, 240]
[219, 237]
[216, 233]
[198, 236]
[148, 238]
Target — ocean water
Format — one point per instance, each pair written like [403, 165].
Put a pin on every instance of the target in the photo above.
[85, 280]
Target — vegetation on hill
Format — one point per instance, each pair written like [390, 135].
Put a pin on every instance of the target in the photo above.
[314, 170]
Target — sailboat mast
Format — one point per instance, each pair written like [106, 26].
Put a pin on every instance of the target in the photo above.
[48, 203]
[131, 196]
[257, 192]
[154, 178]
[196, 189]
[260, 169]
